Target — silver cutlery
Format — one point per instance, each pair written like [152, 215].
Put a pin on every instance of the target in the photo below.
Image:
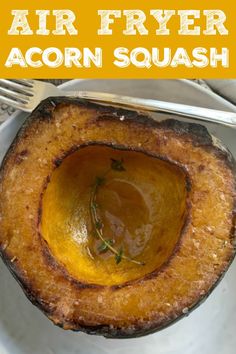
[26, 94]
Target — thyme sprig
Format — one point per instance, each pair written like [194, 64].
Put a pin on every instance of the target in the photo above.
[106, 244]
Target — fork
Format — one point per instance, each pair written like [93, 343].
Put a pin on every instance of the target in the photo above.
[26, 94]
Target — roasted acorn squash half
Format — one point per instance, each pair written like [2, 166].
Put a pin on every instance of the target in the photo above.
[161, 194]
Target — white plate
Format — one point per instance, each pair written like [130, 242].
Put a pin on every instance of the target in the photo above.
[210, 329]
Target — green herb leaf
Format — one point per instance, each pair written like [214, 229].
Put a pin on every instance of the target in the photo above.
[104, 246]
[110, 242]
[100, 181]
[118, 256]
[94, 205]
[98, 225]
[117, 165]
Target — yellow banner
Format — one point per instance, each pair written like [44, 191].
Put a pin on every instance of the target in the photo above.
[117, 39]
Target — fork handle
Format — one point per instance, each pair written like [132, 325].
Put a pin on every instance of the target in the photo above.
[151, 105]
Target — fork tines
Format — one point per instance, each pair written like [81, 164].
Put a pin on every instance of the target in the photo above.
[16, 92]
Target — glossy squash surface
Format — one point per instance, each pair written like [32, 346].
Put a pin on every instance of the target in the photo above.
[172, 208]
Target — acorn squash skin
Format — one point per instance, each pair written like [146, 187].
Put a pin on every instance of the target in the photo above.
[56, 129]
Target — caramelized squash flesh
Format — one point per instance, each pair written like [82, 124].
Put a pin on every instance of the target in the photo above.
[135, 206]
[172, 207]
